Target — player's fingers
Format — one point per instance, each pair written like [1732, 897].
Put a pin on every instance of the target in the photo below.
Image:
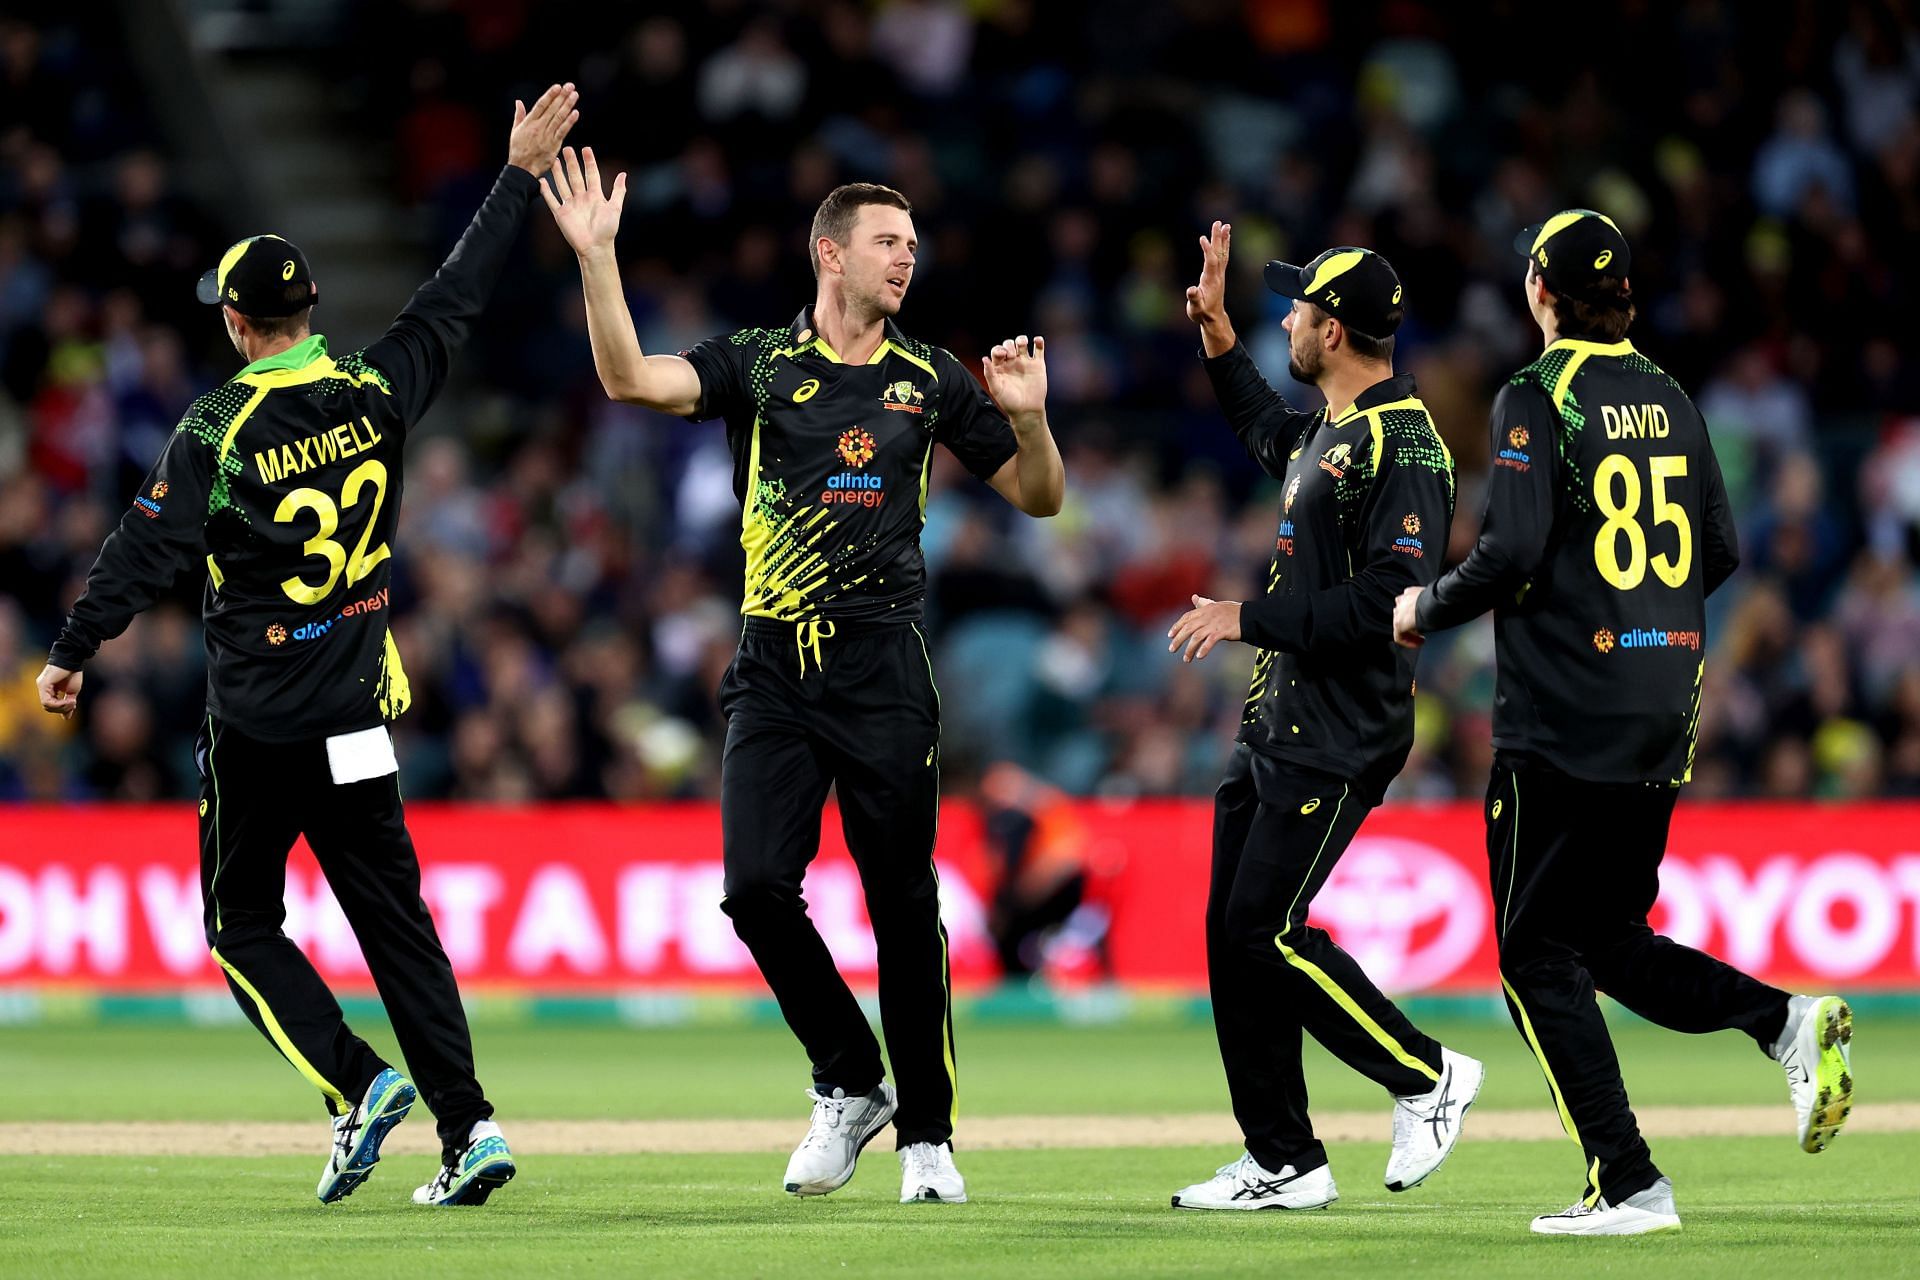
[1206, 647]
[1020, 345]
[546, 193]
[560, 186]
[574, 175]
[519, 113]
[1039, 347]
[593, 169]
[619, 197]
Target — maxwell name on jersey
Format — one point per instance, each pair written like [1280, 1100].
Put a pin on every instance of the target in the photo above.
[317, 450]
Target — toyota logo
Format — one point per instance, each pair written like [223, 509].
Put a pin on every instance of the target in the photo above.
[1408, 913]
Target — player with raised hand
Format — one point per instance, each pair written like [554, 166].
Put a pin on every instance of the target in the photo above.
[286, 480]
[1367, 496]
[832, 421]
[1606, 529]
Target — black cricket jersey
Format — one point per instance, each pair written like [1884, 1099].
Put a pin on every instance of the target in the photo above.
[1607, 527]
[287, 480]
[830, 463]
[1366, 501]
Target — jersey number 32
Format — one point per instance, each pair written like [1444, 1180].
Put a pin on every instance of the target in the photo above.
[361, 563]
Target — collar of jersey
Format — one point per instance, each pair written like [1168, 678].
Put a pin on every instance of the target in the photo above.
[806, 338]
[298, 356]
[1581, 346]
[1385, 391]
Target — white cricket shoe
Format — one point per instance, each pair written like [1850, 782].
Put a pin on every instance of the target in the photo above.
[1245, 1184]
[481, 1168]
[358, 1134]
[1426, 1125]
[927, 1173]
[1638, 1214]
[841, 1127]
[1815, 1049]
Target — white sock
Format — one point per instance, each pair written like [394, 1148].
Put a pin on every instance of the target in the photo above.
[484, 1129]
[1797, 1009]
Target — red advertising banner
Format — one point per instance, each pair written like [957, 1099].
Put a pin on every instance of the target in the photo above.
[607, 898]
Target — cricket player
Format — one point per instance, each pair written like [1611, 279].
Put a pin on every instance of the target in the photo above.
[1606, 530]
[286, 480]
[1367, 497]
[832, 420]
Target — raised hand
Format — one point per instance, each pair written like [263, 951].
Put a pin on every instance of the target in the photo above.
[1207, 300]
[537, 134]
[1017, 378]
[588, 219]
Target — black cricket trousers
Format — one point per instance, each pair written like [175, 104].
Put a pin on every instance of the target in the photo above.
[256, 799]
[1278, 830]
[850, 706]
[1575, 868]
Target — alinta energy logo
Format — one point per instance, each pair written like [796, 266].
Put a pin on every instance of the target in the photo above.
[149, 506]
[855, 447]
[853, 487]
[1283, 543]
[1657, 638]
[1603, 641]
[276, 635]
[1515, 455]
[1410, 545]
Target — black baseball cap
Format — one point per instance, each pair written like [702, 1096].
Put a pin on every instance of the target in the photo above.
[1575, 250]
[260, 276]
[1357, 287]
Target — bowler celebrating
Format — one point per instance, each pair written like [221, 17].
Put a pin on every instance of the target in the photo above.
[832, 421]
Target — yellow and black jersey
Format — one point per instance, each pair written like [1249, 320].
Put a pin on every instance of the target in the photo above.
[286, 480]
[1366, 501]
[1607, 527]
[831, 463]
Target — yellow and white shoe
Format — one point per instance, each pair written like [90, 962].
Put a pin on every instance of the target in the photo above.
[1815, 1050]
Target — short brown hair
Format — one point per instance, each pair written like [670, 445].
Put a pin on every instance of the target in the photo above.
[836, 215]
[1363, 345]
[281, 326]
[1605, 315]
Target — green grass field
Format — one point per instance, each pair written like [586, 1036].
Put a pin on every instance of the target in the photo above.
[1753, 1206]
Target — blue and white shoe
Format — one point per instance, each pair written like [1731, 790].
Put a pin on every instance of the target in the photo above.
[483, 1165]
[358, 1134]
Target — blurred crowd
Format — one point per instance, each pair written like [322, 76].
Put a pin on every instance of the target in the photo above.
[568, 569]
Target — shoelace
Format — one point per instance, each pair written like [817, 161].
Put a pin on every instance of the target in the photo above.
[1232, 1172]
[827, 1115]
[923, 1160]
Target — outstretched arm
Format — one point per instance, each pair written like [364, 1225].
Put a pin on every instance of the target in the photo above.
[1266, 424]
[589, 218]
[416, 352]
[1033, 479]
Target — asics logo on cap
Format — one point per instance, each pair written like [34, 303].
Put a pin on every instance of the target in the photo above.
[286, 269]
[1606, 256]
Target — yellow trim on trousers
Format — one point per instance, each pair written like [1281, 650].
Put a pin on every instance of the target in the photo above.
[335, 1099]
[1325, 980]
[1359, 1015]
